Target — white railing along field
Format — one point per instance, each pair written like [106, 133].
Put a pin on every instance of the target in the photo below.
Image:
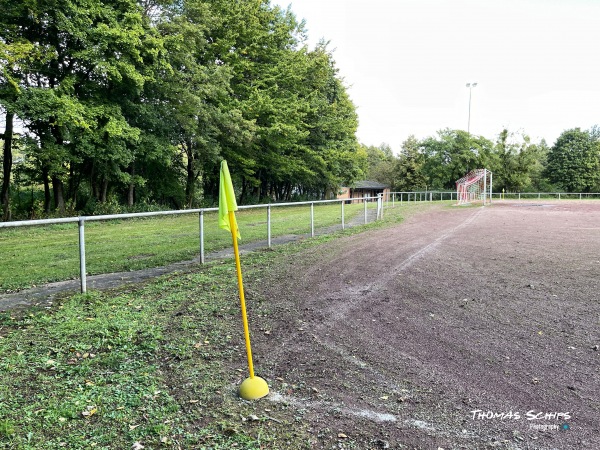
[429, 196]
[81, 220]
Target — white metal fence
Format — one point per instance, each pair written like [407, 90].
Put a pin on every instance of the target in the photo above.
[81, 220]
[429, 196]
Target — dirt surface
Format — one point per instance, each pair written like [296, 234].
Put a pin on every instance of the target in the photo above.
[459, 328]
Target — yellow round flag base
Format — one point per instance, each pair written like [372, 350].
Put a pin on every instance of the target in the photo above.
[253, 388]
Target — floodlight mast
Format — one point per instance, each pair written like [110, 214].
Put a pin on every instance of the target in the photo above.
[470, 86]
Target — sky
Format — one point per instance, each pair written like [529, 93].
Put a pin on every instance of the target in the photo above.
[406, 64]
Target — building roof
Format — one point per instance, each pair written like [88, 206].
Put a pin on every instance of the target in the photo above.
[365, 184]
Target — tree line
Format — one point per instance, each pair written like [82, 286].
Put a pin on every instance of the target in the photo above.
[113, 105]
[136, 102]
[572, 164]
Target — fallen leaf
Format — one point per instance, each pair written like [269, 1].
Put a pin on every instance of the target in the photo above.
[89, 411]
[342, 436]
[137, 446]
[384, 397]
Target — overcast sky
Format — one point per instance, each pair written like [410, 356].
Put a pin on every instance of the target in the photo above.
[406, 63]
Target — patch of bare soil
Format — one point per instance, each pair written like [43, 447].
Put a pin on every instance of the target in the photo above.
[459, 328]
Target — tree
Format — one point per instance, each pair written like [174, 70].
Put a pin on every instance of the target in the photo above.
[517, 162]
[574, 161]
[408, 172]
[380, 163]
[452, 155]
[16, 55]
[143, 98]
[95, 58]
[7, 166]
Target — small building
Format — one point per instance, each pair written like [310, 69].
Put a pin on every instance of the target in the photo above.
[363, 189]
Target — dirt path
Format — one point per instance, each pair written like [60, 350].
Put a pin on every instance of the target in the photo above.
[460, 328]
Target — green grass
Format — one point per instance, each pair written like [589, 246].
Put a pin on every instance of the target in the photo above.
[36, 255]
[106, 370]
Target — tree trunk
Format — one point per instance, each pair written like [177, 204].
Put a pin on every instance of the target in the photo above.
[244, 189]
[190, 182]
[104, 194]
[7, 167]
[191, 177]
[59, 195]
[47, 196]
[131, 193]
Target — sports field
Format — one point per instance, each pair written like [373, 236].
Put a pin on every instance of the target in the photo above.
[460, 328]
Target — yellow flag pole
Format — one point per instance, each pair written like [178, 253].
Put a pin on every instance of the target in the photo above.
[241, 288]
[252, 388]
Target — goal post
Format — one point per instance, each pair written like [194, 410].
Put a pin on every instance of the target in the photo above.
[475, 187]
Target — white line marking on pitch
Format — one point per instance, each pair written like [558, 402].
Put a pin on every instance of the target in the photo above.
[375, 416]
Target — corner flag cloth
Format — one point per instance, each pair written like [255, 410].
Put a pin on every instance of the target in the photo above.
[227, 201]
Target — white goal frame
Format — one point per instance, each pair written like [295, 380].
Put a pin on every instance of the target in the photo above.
[476, 186]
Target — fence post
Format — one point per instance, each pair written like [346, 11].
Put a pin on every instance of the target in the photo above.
[559, 195]
[312, 220]
[269, 225]
[201, 219]
[343, 224]
[365, 205]
[393, 199]
[82, 255]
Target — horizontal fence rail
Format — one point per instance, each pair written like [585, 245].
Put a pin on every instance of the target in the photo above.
[81, 220]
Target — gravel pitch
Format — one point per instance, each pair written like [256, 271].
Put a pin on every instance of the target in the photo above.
[463, 327]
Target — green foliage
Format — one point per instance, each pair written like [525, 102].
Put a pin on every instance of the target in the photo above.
[517, 163]
[451, 155]
[409, 174]
[379, 164]
[141, 101]
[574, 161]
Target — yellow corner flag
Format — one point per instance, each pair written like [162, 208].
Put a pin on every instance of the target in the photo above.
[227, 201]
[252, 388]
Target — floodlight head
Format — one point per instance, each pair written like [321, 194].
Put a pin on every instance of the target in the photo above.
[474, 84]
